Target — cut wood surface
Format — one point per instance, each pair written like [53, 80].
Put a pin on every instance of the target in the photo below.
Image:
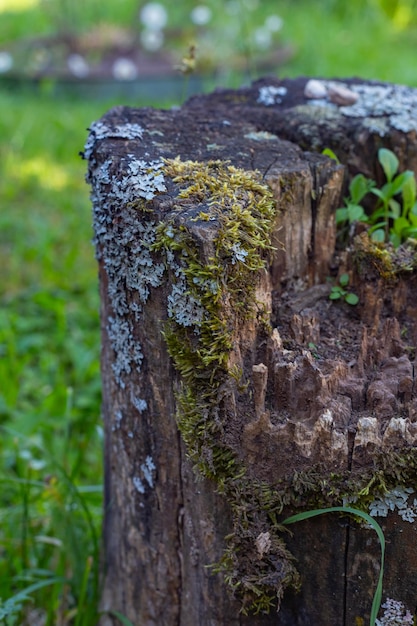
[235, 393]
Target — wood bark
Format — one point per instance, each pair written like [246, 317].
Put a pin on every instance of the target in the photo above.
[324, 406]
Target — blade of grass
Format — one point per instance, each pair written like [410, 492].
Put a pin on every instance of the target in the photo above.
[23, 595]
[83, 591]
[120, 617]
[370, 520]
[78, 497]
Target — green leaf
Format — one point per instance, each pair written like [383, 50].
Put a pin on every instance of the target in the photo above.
[351, 298]
[395, 209]
[120, 617]
[341, 215]
[412, 218]
[409, 193]
[376, 215]
[344, 280]
[356, 213]
[23, 595]
[377, 528]
[410, 232]
[336, 293]
[395, 239]
[329, 152]
[378, 235]
[399, 181]
[378, 226]
[389, 163]
[378, 192]
[359, 187]
[400, 224]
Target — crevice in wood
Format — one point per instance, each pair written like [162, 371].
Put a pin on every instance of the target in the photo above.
[316, 192]
[180, 531]
[345, 581]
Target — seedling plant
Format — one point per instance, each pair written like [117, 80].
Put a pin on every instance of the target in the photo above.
[394, 216]
[339, 291]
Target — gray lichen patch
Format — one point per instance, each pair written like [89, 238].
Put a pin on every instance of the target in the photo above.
[123, 244]
[269, 95]
[183, 306]
[261, 135]
[143, 180]
[380, 106]
[395, 500]
[396, 102]
[106, 130]
[146, 479]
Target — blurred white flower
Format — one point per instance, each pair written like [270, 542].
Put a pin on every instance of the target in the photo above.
[34, 464]
[124, 69]
[274, 23]
[201, 15]
[37, 464]
[6, 62]
[262, 38]
[78, 66]
[152, 40]
[154, 16]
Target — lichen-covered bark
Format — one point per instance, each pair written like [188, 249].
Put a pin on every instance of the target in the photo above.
[384, 115]
[235, 392]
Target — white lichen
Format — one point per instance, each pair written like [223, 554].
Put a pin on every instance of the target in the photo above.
[396, 103]
[125, 250]
[139, 404]
[396, 499]
[381, 106]
[139, 486]
[239, 253]
[261, 135]
[104, 130]
[147, 476]
[270, 95]
[395, 614]
[183, 307]
[118, 417]
[142, 180]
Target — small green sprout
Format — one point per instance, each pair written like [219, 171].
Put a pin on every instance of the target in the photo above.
[394, 218]
[329, 152]
[313, 349]
[339, 291]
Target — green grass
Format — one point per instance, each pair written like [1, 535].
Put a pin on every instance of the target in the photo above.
[50, 445]
[51, 435]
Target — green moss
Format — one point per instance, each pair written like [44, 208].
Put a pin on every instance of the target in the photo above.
[382, 260]
[241, 211]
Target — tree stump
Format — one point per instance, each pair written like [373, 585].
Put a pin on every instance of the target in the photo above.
[235, 393]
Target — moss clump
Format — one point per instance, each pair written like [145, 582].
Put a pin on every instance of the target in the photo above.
[242, 212]
[383, 259]
[222, 276]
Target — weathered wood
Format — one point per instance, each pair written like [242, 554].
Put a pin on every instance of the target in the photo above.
[284, 400]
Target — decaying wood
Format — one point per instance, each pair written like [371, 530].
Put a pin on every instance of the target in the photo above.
[324, 405]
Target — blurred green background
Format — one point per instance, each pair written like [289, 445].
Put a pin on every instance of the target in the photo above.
[51, 433]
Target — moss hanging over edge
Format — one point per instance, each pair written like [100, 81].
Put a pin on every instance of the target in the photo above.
[222, 287]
